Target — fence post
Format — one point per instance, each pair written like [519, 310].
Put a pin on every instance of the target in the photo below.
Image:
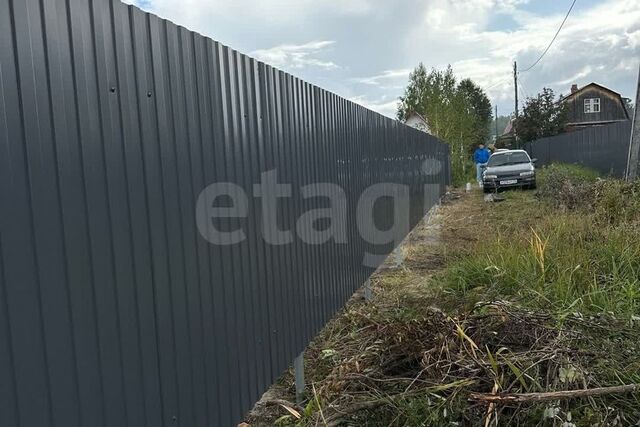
[633, 159]
[399, 256]
[298, 372]
[368, 295]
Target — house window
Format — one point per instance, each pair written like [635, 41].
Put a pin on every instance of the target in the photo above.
[592, 105]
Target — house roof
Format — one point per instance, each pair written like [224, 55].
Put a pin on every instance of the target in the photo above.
[508, 128]
[413, 113]
[596, 85]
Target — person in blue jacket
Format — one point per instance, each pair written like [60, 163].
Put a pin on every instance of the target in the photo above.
[480, 157]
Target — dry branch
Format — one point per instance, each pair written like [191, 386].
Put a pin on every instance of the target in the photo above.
[552, 395]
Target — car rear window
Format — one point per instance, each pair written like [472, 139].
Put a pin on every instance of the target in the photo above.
[504, 159]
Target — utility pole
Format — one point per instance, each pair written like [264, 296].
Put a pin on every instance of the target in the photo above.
[515, 87]
[633, 160]
[515, 84]
[496, 122]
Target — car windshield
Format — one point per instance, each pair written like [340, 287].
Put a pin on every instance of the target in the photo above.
[504, 159]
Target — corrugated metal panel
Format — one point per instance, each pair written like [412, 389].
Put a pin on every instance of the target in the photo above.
[114, 310]
[602, 148]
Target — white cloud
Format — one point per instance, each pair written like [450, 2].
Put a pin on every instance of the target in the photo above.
[384, 105]
[386, 76]
[199, 13]
[574, 78]
[595, 39]
[366, 48]
[292, 56]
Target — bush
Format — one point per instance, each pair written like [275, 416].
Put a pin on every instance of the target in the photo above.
[570, 187]
[566, 186]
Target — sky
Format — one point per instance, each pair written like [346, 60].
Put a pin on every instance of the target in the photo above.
[364, 50]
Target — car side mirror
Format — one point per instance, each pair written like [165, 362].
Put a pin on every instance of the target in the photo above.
[534, 160]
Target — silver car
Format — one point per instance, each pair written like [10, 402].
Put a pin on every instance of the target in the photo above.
[509, 168]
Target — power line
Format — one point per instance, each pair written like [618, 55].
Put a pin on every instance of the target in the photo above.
[522, 91]
[552, 40]
[499, 83]
[523, 88]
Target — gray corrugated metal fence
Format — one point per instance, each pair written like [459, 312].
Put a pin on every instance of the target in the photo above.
[602, 148]
[114, 310]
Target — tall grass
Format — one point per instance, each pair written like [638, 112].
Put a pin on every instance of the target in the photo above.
[585, 259]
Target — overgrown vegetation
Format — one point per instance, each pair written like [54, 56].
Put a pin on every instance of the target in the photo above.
[566, 186]
[572, 255]
[537, 294]
[578, 261]
[578, 189]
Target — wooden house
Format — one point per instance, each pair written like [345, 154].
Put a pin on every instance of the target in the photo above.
[594, 105]
[416, 120]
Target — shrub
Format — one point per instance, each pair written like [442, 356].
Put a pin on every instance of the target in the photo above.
[575, 173]
[567, 186]
[608, 201]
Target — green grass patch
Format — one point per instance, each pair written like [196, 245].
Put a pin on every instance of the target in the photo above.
[564, 263]
[572, 247]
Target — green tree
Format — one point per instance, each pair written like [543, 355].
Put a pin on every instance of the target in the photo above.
[542, 116]
[480, 109]
[457, 112]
